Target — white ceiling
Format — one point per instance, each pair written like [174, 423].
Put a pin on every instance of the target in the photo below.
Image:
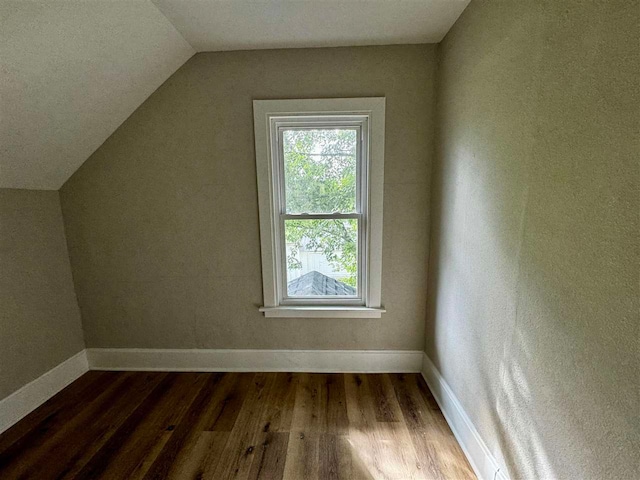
[72, 71]
[210, 25]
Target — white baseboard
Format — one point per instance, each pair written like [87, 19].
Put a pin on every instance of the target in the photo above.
[483, 462]
[21, 402]
[202, 360]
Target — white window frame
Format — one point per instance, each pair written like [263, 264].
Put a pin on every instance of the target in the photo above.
[366, 115]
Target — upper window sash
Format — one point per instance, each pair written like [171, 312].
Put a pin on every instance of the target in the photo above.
[357, 123]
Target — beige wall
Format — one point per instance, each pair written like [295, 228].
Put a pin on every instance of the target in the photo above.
[162, 221]
[533, 288]
[39, 316]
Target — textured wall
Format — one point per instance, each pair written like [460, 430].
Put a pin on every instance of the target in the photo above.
[39, 316]
[533, 287]
[162, 221]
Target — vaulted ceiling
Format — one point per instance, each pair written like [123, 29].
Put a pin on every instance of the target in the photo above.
[210, 25]
[73, 70]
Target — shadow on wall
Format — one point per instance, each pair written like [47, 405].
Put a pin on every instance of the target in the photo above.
[532, 314]
[497, 354]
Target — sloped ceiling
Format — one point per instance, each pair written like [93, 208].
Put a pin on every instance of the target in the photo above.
[249, 24]
[71, 71]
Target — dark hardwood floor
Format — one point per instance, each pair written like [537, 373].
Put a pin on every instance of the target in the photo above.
[130, 425]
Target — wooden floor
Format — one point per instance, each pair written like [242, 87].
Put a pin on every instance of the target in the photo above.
[129, 425]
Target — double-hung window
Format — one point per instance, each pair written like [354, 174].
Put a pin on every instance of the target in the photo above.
[320, 180]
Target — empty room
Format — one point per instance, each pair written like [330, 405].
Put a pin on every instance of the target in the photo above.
[320, 239]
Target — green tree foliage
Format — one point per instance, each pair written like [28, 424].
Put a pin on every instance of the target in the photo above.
[320, 177]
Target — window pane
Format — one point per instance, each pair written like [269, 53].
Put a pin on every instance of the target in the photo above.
[320, 170]
[322, 257]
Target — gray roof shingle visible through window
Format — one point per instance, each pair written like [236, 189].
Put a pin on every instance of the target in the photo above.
[315, 283]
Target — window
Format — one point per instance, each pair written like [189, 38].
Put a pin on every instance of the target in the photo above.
[320, 180]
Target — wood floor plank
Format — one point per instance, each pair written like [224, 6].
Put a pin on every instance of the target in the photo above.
[419, 424]
[89, 439]
[310, 405]
[136, 425]
[38, 452]
[98, 463]
[138, 436]
[321, 456]
[360, 409]
[269, 457]
[35, 428]
[384, 447]
[145, 464]
[216, 409]
[186, 431]
[302, 456]
[227, 401]
[384, 399]
[203, 457]
[279, 404]
[427, 396]
[69, 400]
[201, 450]
[320, 404]
[337, 419]
[359, 470]
[238, 454]
[204, 446]
[334, 457]
[433, 440]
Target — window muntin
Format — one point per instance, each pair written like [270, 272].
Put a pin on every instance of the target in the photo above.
[320, 176]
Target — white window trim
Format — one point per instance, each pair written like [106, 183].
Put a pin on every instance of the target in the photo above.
[265, 111]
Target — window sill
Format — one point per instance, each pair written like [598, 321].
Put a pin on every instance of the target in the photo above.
[321, 312]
